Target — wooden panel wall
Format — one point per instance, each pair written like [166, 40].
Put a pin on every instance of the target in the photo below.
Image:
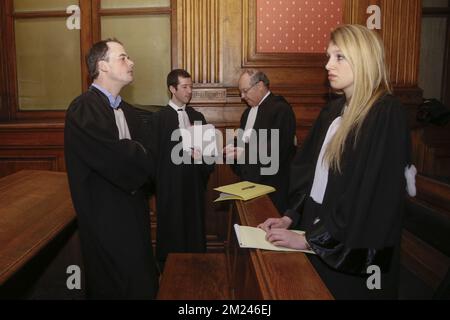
[400, 30]
[3, 110]
[31, 146]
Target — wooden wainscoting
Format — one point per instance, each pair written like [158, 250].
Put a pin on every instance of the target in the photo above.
[34, 146]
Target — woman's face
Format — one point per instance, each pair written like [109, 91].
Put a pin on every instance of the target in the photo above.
[340, 73]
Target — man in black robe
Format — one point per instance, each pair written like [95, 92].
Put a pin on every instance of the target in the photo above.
[270, 112]
[181, 185]
[107, 166]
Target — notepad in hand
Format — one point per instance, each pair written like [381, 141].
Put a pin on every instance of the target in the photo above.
[250, 237]
[243, 191]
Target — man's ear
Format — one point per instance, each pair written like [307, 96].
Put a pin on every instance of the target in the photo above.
[172, 89]
[102, 66]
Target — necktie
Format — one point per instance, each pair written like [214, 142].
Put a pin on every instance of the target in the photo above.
[121, 122]
[249, 124]
[321, 174]
[183, 119]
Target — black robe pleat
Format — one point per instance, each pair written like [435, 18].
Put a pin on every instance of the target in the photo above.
[359, 221]
[106, 176]
[273, 113]
[180, 190]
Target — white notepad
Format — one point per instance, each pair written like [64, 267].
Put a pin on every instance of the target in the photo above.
[202, 138]
[250, 237]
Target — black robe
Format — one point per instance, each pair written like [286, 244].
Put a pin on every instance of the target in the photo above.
[273, 113]
[360, 217]
[106, 176]
[180, 190]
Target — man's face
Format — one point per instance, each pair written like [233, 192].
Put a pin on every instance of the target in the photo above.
[182, 94]
[251, 93]
[118, 66]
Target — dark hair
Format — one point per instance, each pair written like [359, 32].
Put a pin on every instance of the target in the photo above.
[97, 53]
[172, 77]
[257, 76]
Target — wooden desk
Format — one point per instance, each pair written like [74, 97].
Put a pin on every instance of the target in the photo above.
[35, 206]
[260, 274]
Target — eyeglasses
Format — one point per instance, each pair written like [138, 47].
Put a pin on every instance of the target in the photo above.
[245, 91]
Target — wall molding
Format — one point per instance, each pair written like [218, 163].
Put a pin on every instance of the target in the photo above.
[209, 95]
[250, 56]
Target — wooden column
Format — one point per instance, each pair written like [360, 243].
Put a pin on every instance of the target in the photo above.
[199, 40]
[401, 33]
[400, 30]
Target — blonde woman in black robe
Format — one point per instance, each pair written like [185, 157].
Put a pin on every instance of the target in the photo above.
[351, 172]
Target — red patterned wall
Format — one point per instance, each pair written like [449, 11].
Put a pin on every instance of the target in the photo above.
[293, 26]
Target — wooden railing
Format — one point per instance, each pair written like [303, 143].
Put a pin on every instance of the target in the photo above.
[243, 273]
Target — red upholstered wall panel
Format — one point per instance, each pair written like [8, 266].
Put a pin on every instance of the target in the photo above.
[296, 26]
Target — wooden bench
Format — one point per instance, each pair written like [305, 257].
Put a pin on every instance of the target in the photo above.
[423, 260]
[194, 276]
[425, 235]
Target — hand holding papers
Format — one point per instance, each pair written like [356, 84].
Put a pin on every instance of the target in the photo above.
[232, 152]
[243, 191]
[196, 154]
[250, 237]
[201, 138]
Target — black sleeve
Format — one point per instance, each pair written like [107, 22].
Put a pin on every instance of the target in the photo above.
[287, 125]
[303, 167]
[125, 163]
[362, 227]
[284, 121]
[235, 167]
[150, 140]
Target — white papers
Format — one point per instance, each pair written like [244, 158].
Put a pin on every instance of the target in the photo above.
[201, 138]
[250, 237]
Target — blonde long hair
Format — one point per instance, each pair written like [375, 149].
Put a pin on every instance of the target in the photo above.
[364, 51]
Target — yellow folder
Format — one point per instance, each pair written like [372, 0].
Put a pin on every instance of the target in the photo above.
[243, 191]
